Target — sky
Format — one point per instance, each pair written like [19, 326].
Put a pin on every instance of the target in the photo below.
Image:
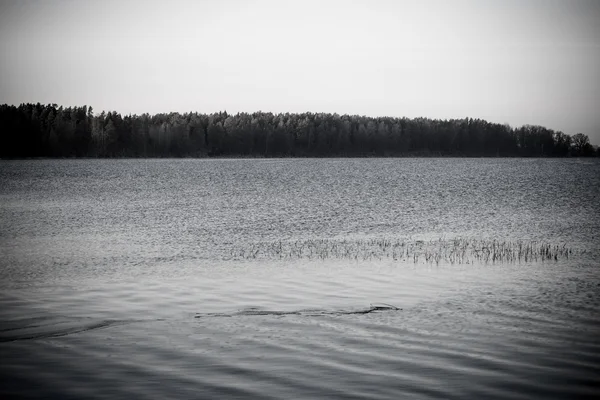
[512, 61]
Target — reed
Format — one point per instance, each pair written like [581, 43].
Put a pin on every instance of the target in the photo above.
[454, 251]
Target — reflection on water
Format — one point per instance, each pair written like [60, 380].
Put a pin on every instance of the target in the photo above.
[119, 279]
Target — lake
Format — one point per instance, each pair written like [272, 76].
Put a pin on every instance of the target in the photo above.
[300, 278]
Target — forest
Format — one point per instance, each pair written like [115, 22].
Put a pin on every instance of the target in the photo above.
[38, 130]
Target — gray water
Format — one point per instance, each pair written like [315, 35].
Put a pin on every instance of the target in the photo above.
[179, 278]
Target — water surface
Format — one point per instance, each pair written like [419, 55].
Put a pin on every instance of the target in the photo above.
[134, 278]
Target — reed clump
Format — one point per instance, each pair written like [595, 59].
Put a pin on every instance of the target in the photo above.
[454, 251]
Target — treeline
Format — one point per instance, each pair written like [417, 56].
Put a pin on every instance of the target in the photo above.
[37, 130]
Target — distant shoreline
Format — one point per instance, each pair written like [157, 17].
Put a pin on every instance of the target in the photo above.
[52, 131]
[299, 158]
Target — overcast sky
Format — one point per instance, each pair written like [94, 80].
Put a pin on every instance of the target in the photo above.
[516, 62]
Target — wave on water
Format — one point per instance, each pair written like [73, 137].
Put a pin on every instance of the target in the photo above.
[46, 328]
[310, 312]
[40, 329]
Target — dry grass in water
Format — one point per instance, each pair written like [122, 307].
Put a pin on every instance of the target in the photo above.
[456, 251]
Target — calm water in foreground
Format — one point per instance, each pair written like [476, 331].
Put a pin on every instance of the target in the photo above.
[252, 278]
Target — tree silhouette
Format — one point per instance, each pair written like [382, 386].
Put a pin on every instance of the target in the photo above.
[36, 130]
[581, 145]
